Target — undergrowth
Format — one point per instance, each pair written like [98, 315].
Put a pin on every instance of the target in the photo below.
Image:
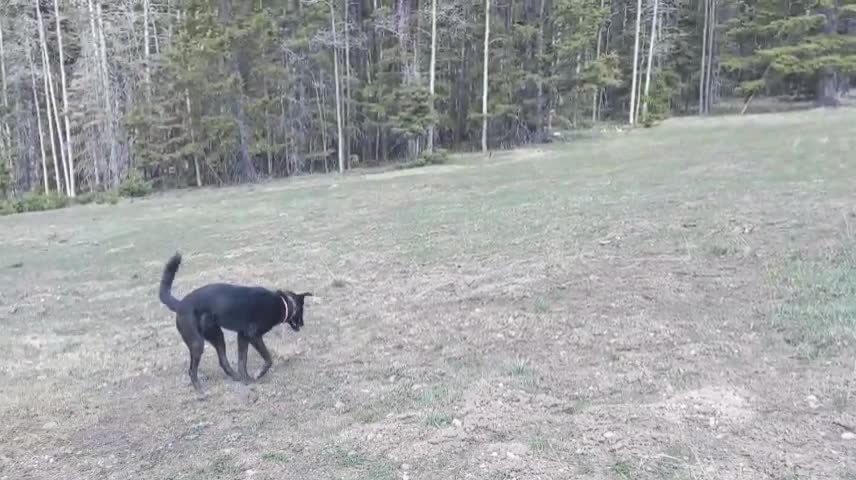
[133, 187]
[39, 202]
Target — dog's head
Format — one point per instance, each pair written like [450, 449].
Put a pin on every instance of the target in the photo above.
[295, 306]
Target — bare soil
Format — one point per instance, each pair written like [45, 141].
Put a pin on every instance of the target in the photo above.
[609, 309]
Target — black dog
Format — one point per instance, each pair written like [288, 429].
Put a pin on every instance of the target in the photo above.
[250, 311]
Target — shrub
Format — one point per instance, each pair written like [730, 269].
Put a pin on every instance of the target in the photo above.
[135, 186]
[110, 198]
[33, 202]
[438, 157]
[38, 202]
[101, 198]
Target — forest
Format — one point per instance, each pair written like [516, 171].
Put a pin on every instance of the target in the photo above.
[96, 96]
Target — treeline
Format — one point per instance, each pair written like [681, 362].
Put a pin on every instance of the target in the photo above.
[171, 93]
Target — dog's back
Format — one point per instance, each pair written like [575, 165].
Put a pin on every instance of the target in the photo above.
[249, 310]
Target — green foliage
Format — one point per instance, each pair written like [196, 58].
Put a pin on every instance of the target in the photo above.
[100, 198]
[411, 111]
[784, 49]
[664, 87]
[5, 180]
[33, 202]
[439, 157]
[135, 186]
[751, 87]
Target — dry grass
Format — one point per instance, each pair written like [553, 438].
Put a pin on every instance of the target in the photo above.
[667, 303]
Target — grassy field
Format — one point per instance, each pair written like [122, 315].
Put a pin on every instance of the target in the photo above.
[672, 303]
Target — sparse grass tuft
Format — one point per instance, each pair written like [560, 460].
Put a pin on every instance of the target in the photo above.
[820, 307]
[276, 457]
[538, 444]
[224, 466]
[719, 250]
[542, 305]
[623, 470]
[524, 375]
[438, 419]
[432, 396]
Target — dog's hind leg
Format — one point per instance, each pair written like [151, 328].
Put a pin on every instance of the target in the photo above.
[186, 325]
[243, 347]
[214, 335]
[196, 349]
[260, 347]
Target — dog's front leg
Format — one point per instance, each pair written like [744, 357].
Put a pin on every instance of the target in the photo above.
[260, 347]
[243, 346]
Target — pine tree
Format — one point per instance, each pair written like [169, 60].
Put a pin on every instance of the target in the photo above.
[797, 48]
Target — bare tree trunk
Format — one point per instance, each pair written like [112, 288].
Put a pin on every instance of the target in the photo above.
[347, 85]
[146, 48]
[635, 63]
[542, 27]
[701, 77]
[632, 115]
[3, 94]
[321, 117]
[431, 73]
[340, 148]
[746, 103]
[39, 120]
[5, 134]
[192, 136]
[155, 36]
[97, 53]
[65, 111]
[50, 106]
[108, 102]
[650, 61]
[711, 48]
[485, 74]
[596, 94]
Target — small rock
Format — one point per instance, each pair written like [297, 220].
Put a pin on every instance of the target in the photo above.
[848, 436]
[457, 422]
[250, 473]
[405, 466]
[339, 405]
[813, 402]
[511, 456]
[494, 454]
[608, 435]
[50, 425]
[416, 386]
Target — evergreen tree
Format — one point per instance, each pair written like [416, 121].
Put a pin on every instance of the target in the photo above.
[798, 48]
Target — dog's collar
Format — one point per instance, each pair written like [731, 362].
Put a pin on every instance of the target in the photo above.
[287, 308]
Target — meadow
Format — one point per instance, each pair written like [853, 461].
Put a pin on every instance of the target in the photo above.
[668, 303]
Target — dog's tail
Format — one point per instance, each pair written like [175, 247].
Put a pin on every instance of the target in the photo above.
[165, 294]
